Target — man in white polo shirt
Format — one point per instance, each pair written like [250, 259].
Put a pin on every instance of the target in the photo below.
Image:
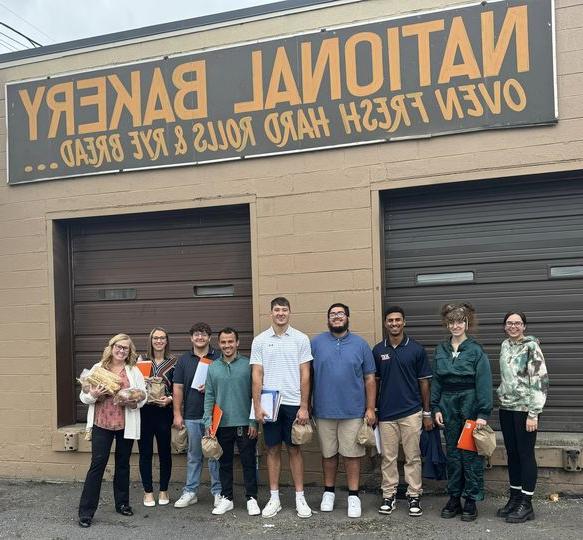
[280, 359]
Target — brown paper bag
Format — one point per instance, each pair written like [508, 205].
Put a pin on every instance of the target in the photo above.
[485, 440]
[365, 435]
[301, 434]
[179, 441]
[211, 447]
[155, 388]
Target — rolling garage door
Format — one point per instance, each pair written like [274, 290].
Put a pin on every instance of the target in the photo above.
[500, 245]
[168, 269]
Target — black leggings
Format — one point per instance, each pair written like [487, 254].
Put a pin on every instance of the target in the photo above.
[156, 422]
[519, 443]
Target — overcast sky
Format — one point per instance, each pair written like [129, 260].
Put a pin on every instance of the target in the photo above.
[56, 21]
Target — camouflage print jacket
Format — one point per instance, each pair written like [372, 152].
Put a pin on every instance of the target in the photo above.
[524, 379]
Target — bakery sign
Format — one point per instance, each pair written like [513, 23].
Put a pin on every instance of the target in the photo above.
[483, 66]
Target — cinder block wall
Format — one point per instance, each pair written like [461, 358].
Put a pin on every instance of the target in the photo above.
[315, 226]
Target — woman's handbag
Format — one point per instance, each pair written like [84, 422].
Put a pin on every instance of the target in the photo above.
[365, 435]
[485, 440]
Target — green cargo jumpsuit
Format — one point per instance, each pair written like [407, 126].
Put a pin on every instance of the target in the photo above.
[461, 390]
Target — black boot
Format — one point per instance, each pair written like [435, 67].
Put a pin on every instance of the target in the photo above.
[470, 512]
[452, 508]
[510, 506]
[523, 512]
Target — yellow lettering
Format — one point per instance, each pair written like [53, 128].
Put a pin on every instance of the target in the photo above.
[32, 108]
[449, 104]
[377, 79]
[350, 117]
[132, 100]
[98, 99]
[469, 94]
[282, 72]
[158, 93]
[394, 59]
[458, 40]
[423, 31]
[515, 21]
[256, 104]
[197, 87]
[493, 103]
[59, 108]
[329, 55]
[518, 104]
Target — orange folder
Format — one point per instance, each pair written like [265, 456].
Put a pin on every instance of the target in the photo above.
[466, 440]
[145, 367]
[217, 415]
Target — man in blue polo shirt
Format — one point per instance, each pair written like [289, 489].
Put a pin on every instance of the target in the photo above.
[344, 393]
[403, 407]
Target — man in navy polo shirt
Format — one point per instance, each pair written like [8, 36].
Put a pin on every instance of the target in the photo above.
[403, 407]
[344, 393]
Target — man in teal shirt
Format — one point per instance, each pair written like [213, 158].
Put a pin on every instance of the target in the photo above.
[228, 385]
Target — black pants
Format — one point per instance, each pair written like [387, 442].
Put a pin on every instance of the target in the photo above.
[101, 442]
[227, 437]
[156, 422]
[519, 443]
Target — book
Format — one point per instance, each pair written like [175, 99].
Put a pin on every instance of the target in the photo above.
[216, 419]
[200, 373]
[145, 366]
[377, 439]
[270, 403]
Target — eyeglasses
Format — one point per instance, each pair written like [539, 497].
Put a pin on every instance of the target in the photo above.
[199, 334]
[518, 324]
[159, 338]
[121, 348]
[339, 315]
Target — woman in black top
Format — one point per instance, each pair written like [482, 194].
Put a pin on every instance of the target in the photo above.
[157, 420]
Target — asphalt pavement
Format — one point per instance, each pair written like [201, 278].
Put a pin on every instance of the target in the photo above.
[42, 510]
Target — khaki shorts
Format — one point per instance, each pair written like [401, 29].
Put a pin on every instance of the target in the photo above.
[339, 437]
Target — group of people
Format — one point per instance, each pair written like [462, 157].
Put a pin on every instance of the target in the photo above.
[341, 383]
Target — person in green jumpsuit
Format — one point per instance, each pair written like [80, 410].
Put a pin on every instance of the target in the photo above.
[461, 390]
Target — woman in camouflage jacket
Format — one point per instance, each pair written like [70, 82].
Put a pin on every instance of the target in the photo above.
[522, 394]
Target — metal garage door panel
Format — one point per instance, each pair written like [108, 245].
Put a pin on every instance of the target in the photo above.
[159, 259]
[509, 233]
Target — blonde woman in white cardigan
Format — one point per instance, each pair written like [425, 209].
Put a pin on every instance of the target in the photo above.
[109, 421]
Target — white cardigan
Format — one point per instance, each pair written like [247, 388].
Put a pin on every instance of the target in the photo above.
[132, 416]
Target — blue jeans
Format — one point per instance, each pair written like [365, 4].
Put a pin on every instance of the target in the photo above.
[194, 459]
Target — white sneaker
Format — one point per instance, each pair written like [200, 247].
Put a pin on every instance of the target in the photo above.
[327, 504]
[186, 499]
[252, 507]
[354, 508]
[272, 507]
[224, 506]
[217, 500]
[302, 508]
